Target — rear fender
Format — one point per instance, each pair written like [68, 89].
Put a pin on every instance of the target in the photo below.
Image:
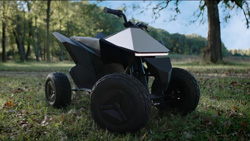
[84, 73]
[77, 51]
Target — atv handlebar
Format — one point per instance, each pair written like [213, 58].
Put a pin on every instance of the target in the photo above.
[118, 13]
[112, 11]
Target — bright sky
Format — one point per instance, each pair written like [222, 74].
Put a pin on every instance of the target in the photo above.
[234, 33]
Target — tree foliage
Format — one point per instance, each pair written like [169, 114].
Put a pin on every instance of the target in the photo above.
[25, 33]
[214, 49]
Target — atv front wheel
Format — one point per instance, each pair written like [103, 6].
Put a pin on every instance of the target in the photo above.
[120, 103]
[182, 95]
[57, 90]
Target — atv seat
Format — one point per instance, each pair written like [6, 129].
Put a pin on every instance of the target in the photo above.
[88, 41]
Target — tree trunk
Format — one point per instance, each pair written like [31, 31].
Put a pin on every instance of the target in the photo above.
[213, 52]
[61, 47]
[48, 41]
[28, 41]
[23, 36]
[27, 52]
[38, 48]
[3, 41]
[44, 51]
[31, 33]
[17, 33]
[33, 42]
[3, 35]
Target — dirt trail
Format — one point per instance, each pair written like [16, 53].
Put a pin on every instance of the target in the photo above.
[20, 73]
[203, 75]
[216, 75]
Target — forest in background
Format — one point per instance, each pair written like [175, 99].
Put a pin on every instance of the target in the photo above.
[24, 24]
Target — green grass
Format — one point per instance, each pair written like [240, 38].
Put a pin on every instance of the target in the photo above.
[223, 112]
[195, 66]
[36, 66]
[226, 69]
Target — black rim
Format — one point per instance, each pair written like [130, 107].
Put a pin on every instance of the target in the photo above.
[175, 94]
[51, 92]
[117, 107]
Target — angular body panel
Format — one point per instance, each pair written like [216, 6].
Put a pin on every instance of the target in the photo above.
[161, 69]
[138, 41]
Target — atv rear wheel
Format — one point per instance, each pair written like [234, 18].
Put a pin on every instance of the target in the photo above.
[120, 103]
[57, 90]
[182, 95]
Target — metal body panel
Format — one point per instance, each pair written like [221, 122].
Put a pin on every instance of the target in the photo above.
[138, 41]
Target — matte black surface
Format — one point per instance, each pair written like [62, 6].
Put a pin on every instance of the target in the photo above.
[120, 103]
[90, 66]
[84, 73]
[57, 90]
[161, 68]
[111, 53]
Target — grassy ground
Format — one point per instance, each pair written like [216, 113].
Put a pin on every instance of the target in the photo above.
[223, 112]
[36, 66]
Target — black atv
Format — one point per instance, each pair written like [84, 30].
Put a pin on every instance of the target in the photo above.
[115, 70]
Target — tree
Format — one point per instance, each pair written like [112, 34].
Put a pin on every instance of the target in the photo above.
[28, 28]
[213, 51]
[3, 33]
[19, 29]
[60, 13]
[38, 9]
[48, 38]
[31, 31]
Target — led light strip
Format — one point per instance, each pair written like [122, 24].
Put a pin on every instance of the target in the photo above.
[151, 54]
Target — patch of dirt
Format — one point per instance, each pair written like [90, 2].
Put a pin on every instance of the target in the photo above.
[216, 75]
[20, 73]
[197, 75]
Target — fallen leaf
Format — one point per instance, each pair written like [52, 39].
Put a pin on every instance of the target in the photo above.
[212, 138]
[195, 117]
[71, 120]
[12, 111]
[209, 121]
[82, 109]
[187, 135]
[241, 114]
[17, 90]
[8, 104]
[243, 124]
[219, 112]
[248, 135]
[234, 83]
[227, 123]
[45, 121]
[235, 108]
[71, 111]
[63, 118]
[231, 113]
[240, 131]
[24, 125]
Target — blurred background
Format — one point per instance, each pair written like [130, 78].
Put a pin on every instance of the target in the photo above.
[182, 26]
